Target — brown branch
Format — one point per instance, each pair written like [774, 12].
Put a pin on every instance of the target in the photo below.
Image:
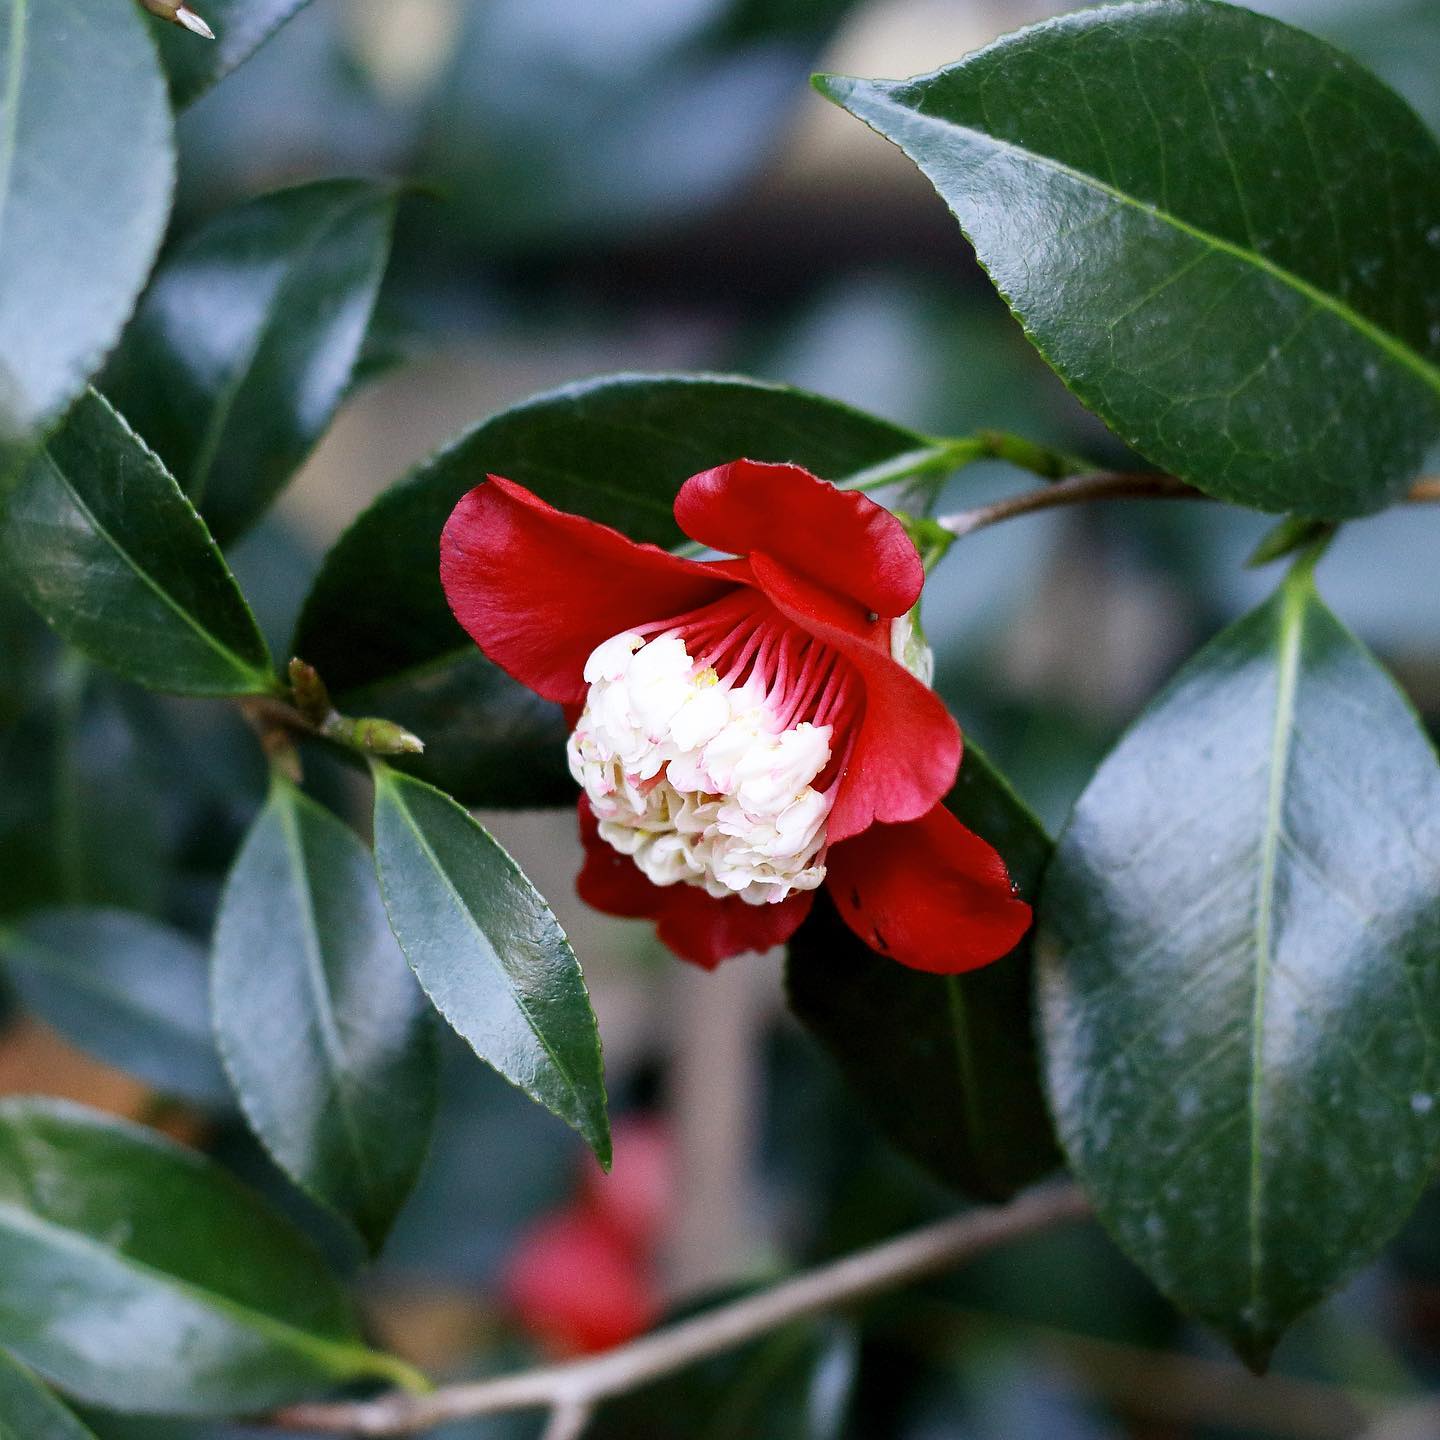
[571, 1390]
[1110, 485]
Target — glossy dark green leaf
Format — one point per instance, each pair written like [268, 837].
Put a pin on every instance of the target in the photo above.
[246, 342]
[99, 539]
[240, 26]
[86, 168]
[945, 1063]
[322, 1027]
[128, 989]
[488, 741]
[80, 812]
[489, 952]
[138, 1275]
[1239, 959]
[794, 1385]
[1223, 233]
[615, 450]
[28, 1411]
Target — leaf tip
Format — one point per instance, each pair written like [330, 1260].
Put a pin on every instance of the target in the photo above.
[835, 88]
[1255, 1350]
[596, 1133]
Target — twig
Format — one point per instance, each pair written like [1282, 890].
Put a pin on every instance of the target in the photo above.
[568, 1422]
[1109, 485]
[581, 1384]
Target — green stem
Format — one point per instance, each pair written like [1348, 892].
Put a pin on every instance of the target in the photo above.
[1039, 460]
[935, 461]
[403, 1375]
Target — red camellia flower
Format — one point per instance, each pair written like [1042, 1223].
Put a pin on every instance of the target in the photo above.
[577, 1286]
[744, 729]
[585, 1278]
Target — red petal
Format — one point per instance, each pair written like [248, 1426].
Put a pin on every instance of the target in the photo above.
[697, 928]
[538, 589]
[706, 931]
[906, 751]
[838, 538]
[931, 894]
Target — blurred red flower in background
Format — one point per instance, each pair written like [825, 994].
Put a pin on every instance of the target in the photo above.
[585, 1278]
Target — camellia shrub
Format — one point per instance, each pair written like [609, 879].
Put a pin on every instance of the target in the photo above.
[693, 608]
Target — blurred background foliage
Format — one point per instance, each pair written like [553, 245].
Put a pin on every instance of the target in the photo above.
[650, 185]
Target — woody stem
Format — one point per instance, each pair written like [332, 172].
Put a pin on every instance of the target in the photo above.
[570, 1391]
[1109, 485]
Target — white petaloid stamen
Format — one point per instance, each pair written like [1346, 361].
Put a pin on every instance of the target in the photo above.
[695, 777]
[706, 744]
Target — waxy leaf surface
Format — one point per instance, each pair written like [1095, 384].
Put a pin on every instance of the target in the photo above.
[321, 1024]
[1239, 962]
[1223, 233]
[489, 952]
[128, 989]
[28, 1411]
[86, 169]
[101, 541]
[963, 1042]
[247, 340]
[139, 1275]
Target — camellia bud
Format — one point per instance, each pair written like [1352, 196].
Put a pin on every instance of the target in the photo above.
[179, 13]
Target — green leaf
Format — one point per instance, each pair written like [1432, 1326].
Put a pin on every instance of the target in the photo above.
[240, 26]
[79, 818]
[489, 952]
[1223, 233]
[86, 168]
[129, 990]
[321, 1025]
[616, 450]
[102, 543]
[246, 342]
[1240, 968]
[962, 1042]
[138, 1275]
[28, 1411]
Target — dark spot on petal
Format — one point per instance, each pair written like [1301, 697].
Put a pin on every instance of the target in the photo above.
[881, 943]
[872, 616]
[855, 896]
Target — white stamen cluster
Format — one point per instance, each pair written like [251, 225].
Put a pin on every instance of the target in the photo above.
[695, 778]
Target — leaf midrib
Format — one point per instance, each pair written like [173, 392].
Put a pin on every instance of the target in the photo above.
[1395, 348]
[241, 667]
[319, 985]
[390, 784]
[338, 1357]
[1291, 628]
